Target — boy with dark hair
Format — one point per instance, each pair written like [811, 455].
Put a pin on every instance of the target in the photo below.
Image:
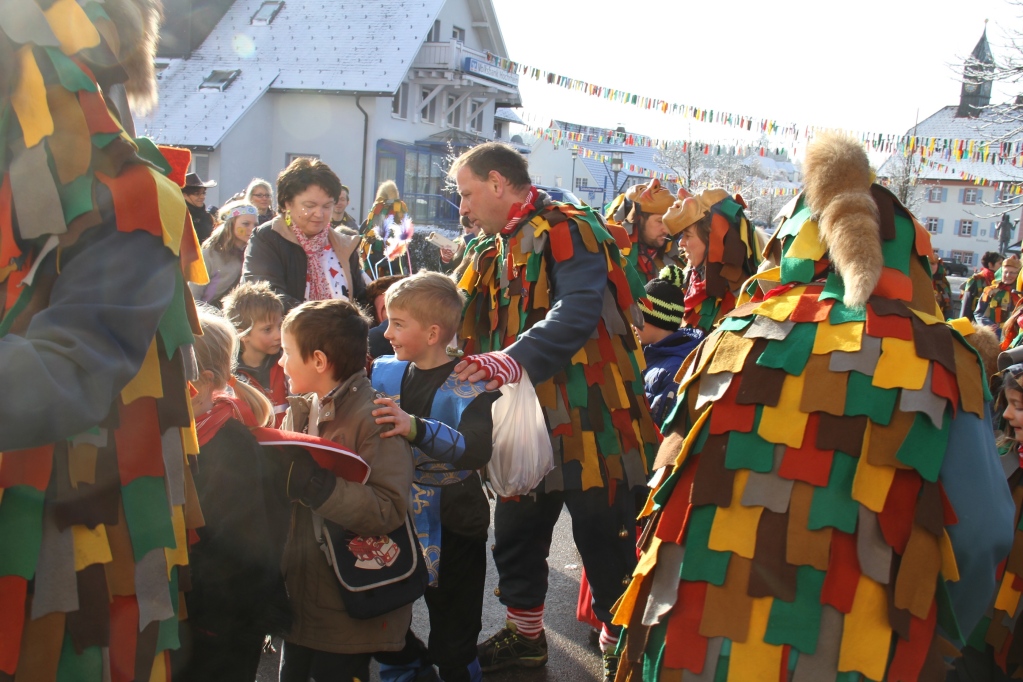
[256, 311]
[449, 424]
[324, 351]
[979, 281]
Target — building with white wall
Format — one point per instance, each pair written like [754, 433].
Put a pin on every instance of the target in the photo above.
[962, 214]
[374, 89]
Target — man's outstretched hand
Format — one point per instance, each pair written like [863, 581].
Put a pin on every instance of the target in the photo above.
[496, 368]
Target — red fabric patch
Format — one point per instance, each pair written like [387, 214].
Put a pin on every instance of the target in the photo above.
[139, 451]
[124, 635]
[896, 518]
[675, 517]
[948, 512]
[1017, 583]
[881, 326]
[27, 467]
[622, 420]
[843, 572]
[718, 230]
[894, 284]
[944, 384]
[594, 374]
[13, 589]
[684, 647]
[179, 160]
[620, 235]
[135, 205]
[97, 117]
[910, 655]
[561, 242]
[808, 463]
[623, 294]
[727, 415]
[809, 309]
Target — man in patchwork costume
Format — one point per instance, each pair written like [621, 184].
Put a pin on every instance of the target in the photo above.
[835, 507]
[96, 328]
[640, 210]
[548, 291]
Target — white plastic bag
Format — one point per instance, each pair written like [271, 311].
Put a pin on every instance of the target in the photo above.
[522, 453]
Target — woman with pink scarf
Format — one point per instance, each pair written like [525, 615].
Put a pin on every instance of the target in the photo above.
[298, 253]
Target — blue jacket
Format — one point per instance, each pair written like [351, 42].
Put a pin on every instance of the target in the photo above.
[662, 362]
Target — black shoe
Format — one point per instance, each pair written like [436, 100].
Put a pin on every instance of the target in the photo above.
[610, 666]
[507, 648]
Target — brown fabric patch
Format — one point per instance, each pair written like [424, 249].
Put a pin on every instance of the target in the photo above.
[669, 450]
[90, 624]
[886, 211]
[771, 575]
[885, 441]
[918, 573]
[934, 342]
[41, 643]
[713, 482]
[727, 609]
[844, 434]
[827, 396]
[760, 385]
[805, 547]
[930, 512]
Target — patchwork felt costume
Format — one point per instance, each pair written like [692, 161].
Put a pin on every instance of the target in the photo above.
[973, 288]
[96, 497]
[732, 254]
[996, 305]
[828, 437]
[625, 211]
[375, 233]
[552, 291]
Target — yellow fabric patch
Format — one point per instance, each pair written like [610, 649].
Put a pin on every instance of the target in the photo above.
[29, 99]
[1007, 598]
[786, 423]
[808, 244]
[178, 556]
[900, 366]
[591, 468]
[949, 567]
[81, 463]
[691, 437]
[627, 602]
[845, 338]
[91, 546]
[754, 660]
[619, 386]
[730, 353]
[961, 325]
[72, 27]
[159, 673]
[172, 215]
[866, 637]
[147, 383]
[871, 484]
[735, 527]
[779, 308]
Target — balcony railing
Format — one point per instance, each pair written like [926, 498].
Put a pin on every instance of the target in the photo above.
[452, 56]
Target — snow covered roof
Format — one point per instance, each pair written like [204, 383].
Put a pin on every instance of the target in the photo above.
[994, 123]
[307, 46]
[506, 114]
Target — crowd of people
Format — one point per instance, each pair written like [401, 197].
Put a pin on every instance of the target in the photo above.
[781, 458]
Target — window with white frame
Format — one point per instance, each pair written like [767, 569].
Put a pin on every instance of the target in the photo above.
[970, 196]
[454, 117]
[934, 195]
[266, 13]
[219, 79]
[476, 109]
[966, 228]
[434, 35]
[399, 103]
[200, 165]
[932, 225]
[964, 257]
[580, 183]
[458, 34]
[427, 112]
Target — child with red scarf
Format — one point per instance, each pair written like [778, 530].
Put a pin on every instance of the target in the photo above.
[238, 594]
[979, 281]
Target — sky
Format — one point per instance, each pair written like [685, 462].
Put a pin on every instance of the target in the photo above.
[867, 65]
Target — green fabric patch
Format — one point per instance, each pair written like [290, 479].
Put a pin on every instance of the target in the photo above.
[834, 288]
[924, 447]
[898, 251]
[76, 196]
[607, 436]
[798, 622]
[701, 562]
[791, 227]
[791, 353]
[841, 313]
[653, 657]
[864, 399]
[174, 327]
[977, 637]
[12, 314]
[147, 512]
[946, 616]
[74, 667]
[735, 324]
[95, 11]
[721, 672]
[21, 530]
[749, 450]
[167, 636]
[729, 208]
[575, 377]
[71, 76]
[151, 153]
[796, 270]
[834, 506]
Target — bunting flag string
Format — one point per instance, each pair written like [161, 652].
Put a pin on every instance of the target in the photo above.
[949, 149]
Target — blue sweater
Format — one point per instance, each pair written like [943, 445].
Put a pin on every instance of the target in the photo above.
[662, 362]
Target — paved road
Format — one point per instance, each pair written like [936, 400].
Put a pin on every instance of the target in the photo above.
[572, 657]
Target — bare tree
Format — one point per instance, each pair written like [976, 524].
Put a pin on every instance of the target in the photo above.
[901, 176]
[682, 158]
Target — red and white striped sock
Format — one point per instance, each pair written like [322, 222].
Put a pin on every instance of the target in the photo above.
[528, 622]
[608, 639]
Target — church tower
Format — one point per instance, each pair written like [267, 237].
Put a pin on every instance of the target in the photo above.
[976, 90]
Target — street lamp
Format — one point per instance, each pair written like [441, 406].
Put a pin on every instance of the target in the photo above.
[616, 167]
[575, 155]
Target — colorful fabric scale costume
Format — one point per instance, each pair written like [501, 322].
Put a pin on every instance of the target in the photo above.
[732, 253]
[595, 406]
[377, 232]
[625, 210]
[96, 498]
[973, 288]
[800, 530]
[996, 304]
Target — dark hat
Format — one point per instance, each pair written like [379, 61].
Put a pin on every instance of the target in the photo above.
[665, 300]
[193, 180]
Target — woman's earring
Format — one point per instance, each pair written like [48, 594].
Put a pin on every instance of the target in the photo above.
[287, 217]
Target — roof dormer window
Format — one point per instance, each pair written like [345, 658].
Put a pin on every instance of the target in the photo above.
[267, 12]
[219, 80]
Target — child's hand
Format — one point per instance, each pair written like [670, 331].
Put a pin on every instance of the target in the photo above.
[390, 413]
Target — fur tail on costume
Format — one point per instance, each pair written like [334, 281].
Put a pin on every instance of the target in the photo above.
[838, 179]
